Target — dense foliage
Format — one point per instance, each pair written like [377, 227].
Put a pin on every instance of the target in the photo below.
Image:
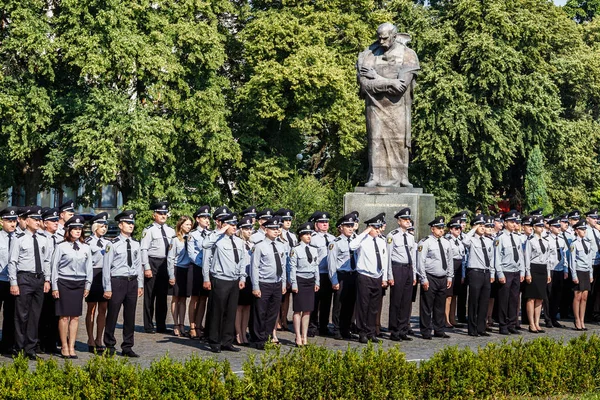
[542, 368]
[215, 101]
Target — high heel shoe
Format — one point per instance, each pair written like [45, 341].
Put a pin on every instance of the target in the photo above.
[533, 331]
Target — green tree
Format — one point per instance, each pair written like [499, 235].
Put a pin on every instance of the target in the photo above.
[535, 182]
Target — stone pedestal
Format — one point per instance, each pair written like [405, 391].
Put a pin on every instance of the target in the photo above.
[371, 201]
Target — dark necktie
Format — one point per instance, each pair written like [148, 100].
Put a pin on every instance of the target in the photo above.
[326, 240]
[596, 237]
[308, 254]
[485, 253]
[36, 254]
[99, 244]
[407, 250]
[514, 246]
[558, 250]
[542, 246]
[379, 265]
[203, 233]
[584, 246]
[277, 260]
[54, 240]
[289, 238]
[75, 246]
[442, 255]
[235, 250]
[185, 241]
[164, 235]
[9, 241]
[352, 258]
[129, 259]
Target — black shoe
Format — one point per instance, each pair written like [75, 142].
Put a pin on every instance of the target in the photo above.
[557, 324]
[427, 337]
[363, 339]
[110, 351]
[504, 332]
[151, 331]
[130, 354]
[406, 338]
[514, 331]
[474, 334]
[395, 338]
[349, 336]
[33, 356]
[441, 335]
[338, 336]
[410, 332]
[311, 333]
[382, 329]
[484, 334]
[230, 348]
[533, 331]
[549, 324]
[488, 329]
[75, 357]
[164, 330]
[541, 331]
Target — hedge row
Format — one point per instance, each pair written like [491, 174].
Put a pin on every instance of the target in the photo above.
[543, 367]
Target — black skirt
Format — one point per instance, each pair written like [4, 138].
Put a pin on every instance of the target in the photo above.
[304, 300]
[538, 287]
[180, 289]
[196, 281]
[456, 287]
[70, 301]
[584, 282]
[246, 296]
[96, 290]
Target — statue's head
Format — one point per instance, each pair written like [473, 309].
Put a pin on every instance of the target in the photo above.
[386, 34]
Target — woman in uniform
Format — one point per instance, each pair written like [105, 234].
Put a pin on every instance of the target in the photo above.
[95, 300]
[581, 271]
[242, 316]
[537, 273]
[71, 279]
[178, 264]
[304, 278]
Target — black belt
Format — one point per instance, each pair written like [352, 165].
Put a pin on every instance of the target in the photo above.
[398, 264]
[125, 278]
[482, 271]
[345, 272]
[34, 274]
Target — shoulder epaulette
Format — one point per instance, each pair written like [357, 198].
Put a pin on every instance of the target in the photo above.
[41, 234]
[20, 234]
[500, 233]
[394, 232]
[89, 239]
[148, 227]
[337, 239]
[257, 242]
[425, 238]
[297, 244]
[62, 241]
[313, 234]
[282, 240]
[115, 240]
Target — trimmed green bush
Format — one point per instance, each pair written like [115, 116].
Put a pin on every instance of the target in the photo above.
[538, 369]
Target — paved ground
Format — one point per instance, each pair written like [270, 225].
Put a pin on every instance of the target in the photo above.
[154, 346]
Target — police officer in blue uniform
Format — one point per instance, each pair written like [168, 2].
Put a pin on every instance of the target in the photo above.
[154, 249]
[29, 276]
[581, 271]
[8, 220]
[123, 277]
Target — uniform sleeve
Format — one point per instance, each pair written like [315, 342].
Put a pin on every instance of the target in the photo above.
[422, 249]
[284, 272]
[242, 264]
[89, 269]
[355, 243]
[144, 246]
[106, 264]
[172, 257]
[46, 268]
[210, 240]
[12, 262]
[195, 250]
[385, 261]
[449, 261]
[527, 258]
[498, 258]
[293, 268]
[207, 255]
[316, 269]
[54, 267]
[255, 261]
[572, 260]
[389, 247]
[140, 269]
[565, 256]
[332, 262]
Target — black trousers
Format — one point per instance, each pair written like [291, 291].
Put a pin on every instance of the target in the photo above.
[48, 329]
[566, 301]
[344, 300]
[555, 294]
[592, 311]
[124, 293]
[461, 300]
[28, 306]
[155, 294]
[368, 300]
[222, 306]
[432, 309]
[508, 301]
[264, 311]
[319, 318]
[401, 299]
[7, 303]
[479, 298]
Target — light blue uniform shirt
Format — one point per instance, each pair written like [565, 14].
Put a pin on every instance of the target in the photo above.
[98, 248]
[301, 267]
[71, 264]
[581, 261]
[178, 255]
[263, 267]
[115, 261]
[22, 258]
[4, 254]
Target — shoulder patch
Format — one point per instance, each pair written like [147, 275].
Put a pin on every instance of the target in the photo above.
[107, 249]
[292, 253]
[331, 246]
[572, 248]
[144, 232]
[420, 248]
[390, 240]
